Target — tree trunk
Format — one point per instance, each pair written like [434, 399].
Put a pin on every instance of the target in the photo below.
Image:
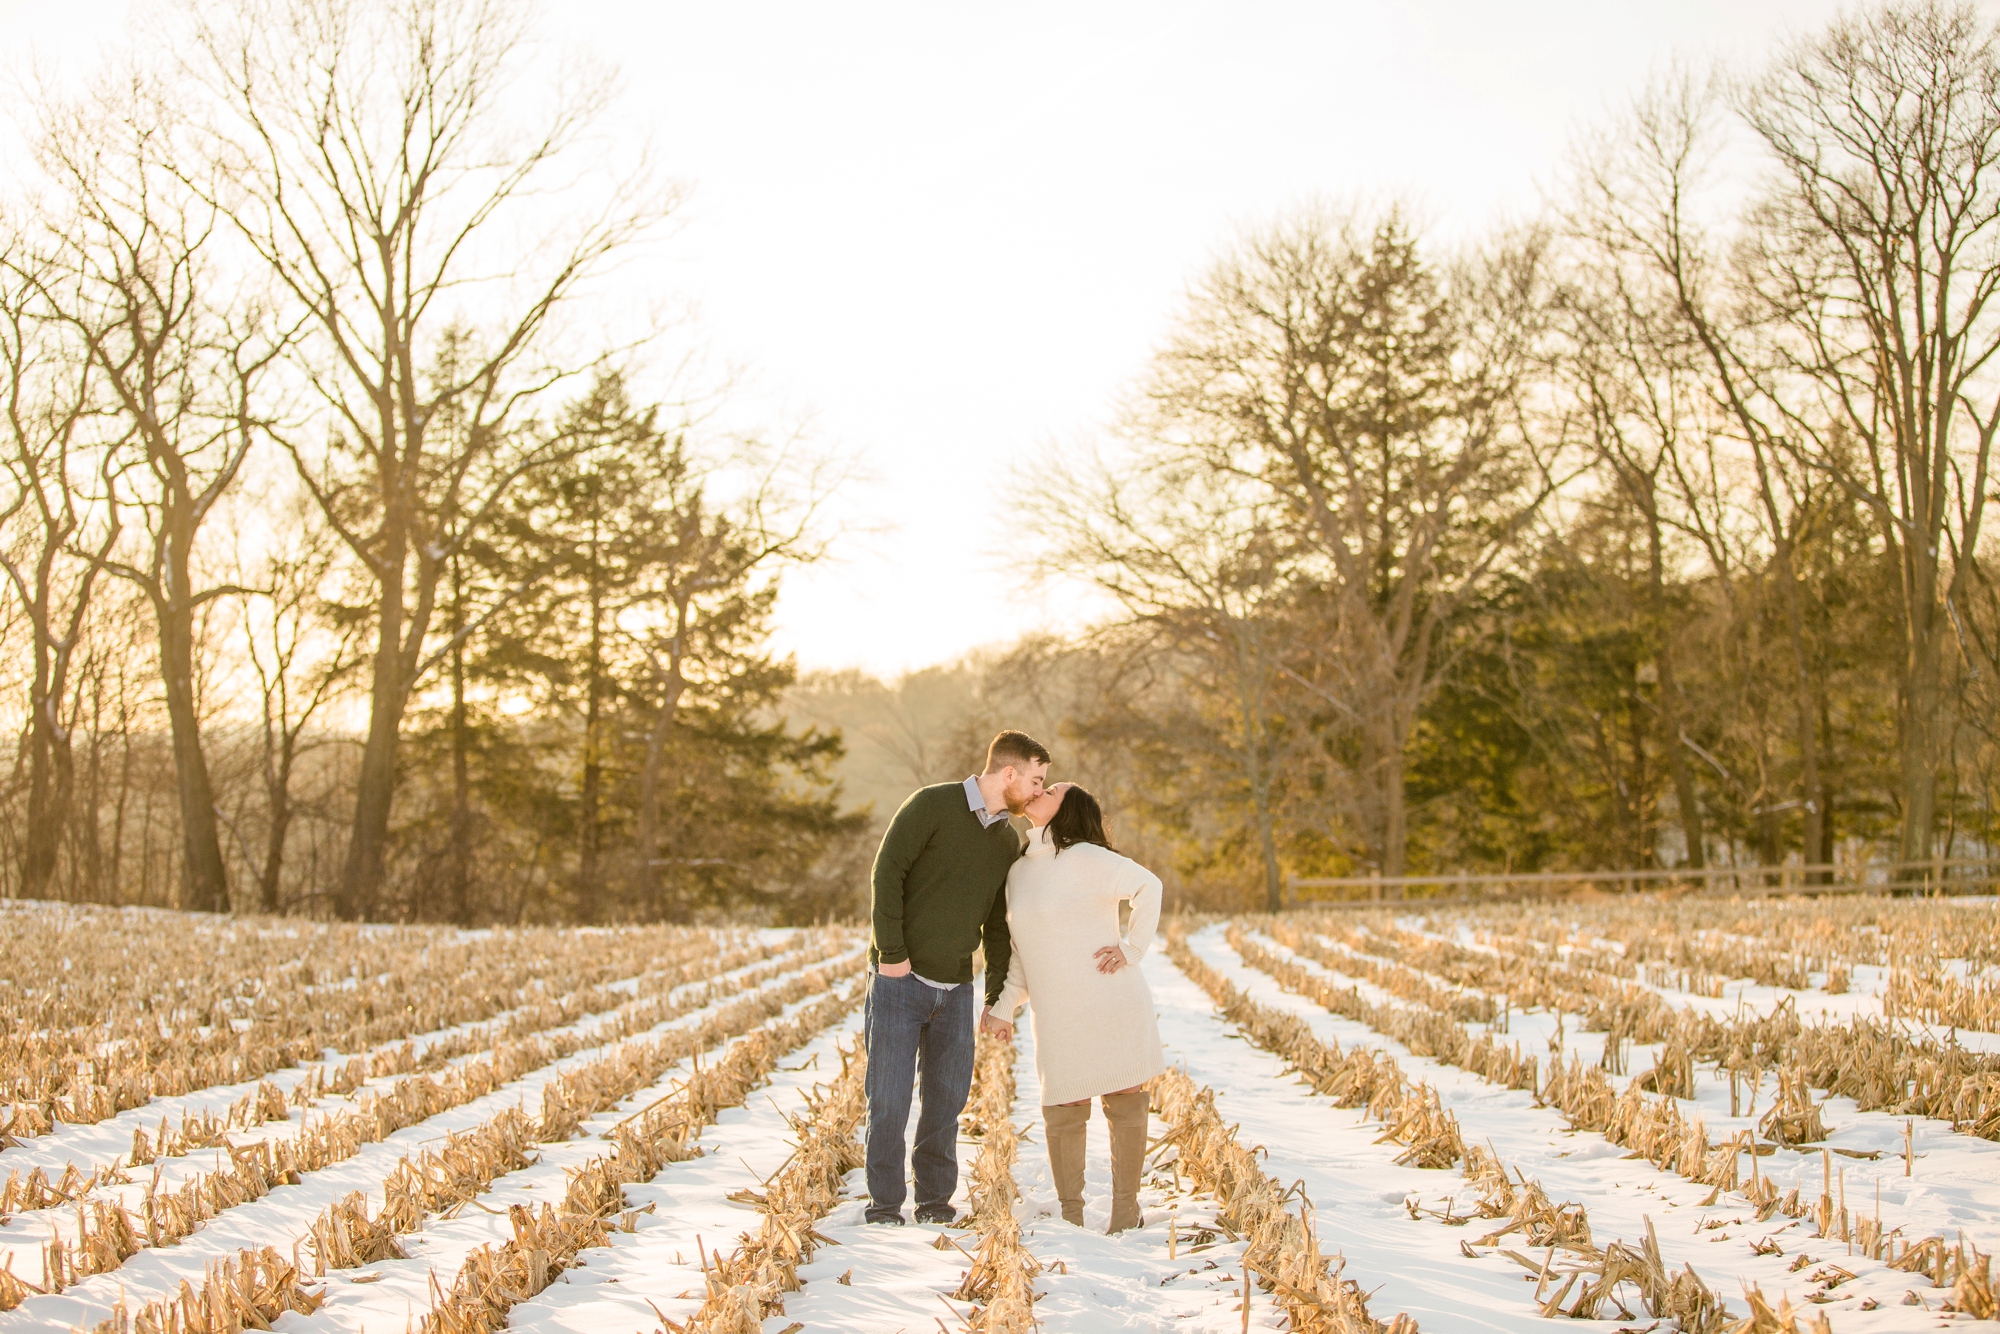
[461, 765]
[1267, 843]
[1921, 702]
[205, 881]
[461, 797]
[269, 878]
[375, 784]
[1402, 690]
[1693, 829]
[48, 797]
[1824, 852]
[1686, 798]
[1260, 801]
[1395, 813]
[1806, 714]
[51, 776]
[593, 765]
[1251, 676]
[89, 797]
[1804, 710]
[645, 877]
[50, 791]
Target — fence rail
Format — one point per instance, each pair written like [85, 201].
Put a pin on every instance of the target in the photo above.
[1938, 876]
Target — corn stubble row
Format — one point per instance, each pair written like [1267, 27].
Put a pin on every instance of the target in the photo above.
[1001, 1280]
[544, 1243]
[1775, 942]
[1654, 1127]
[1875, 1062]
[1679, 943]
[516, 1047]
[345, 1236]
[1591, 1278]
[96, 1018]
[108, 1233]
[1283, 1245]
[493, 1281]
[749, 1285]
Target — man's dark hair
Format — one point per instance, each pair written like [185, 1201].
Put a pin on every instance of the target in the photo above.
[1078, 820]
[1015, 748]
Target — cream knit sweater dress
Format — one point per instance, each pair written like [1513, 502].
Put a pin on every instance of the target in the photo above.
[1093, 1033]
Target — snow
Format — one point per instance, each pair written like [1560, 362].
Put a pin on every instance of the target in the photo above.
[399, 1291]
[285, 1216]
[94, 1145]
[899, 1277]
[1383, 1218]
[1417, 1260]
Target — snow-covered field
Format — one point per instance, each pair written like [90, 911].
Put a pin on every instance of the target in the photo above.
[620, 1137]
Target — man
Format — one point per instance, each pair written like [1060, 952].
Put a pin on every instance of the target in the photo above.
[938, 893]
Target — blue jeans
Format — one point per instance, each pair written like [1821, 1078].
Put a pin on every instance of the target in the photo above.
[915, 1032]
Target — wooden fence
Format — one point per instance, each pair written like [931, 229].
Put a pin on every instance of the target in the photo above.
[1939, 876]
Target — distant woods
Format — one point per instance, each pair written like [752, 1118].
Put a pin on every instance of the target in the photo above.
[351, 568]
[1651, 533]
[347, 572]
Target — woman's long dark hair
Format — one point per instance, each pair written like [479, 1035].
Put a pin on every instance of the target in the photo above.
[1078, 820]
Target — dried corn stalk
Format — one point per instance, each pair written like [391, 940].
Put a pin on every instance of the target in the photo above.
[1416, 1120]
[543, 1243]
[1654, 1127]
[495, 1280]
[107, 1235]
[1001, 1279]
[1284, 1248]
[246, 1291]
[747, 1286]
[1781, 1319]
[100, 1020]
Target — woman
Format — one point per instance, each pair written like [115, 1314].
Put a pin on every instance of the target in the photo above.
[1095, 1030]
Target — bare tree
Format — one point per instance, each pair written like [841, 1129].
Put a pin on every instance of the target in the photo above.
[1639, 209]
[1202, 565]
[1327, 362]
[302, 658]
[179, 351]
[55, 535]
[1850, 328]
[371, 155]
[1876, 262]
[1643, 413]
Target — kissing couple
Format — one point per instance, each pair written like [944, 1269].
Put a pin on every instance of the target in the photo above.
[955, 874]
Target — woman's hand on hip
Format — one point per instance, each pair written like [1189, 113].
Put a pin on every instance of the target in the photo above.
[1110, 959]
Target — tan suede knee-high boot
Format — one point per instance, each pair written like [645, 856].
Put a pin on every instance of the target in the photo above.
[1127, 1113]
[1067, 1131]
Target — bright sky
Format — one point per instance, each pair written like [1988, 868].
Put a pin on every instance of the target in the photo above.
[948, 234]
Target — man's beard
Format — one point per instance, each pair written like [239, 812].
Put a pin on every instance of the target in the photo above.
[1016, 802]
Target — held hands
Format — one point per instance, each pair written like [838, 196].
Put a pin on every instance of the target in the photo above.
[894, 969]
[1110, 959]
[995, 1028]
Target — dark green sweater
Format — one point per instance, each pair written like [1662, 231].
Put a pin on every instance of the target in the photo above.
[940, 889]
